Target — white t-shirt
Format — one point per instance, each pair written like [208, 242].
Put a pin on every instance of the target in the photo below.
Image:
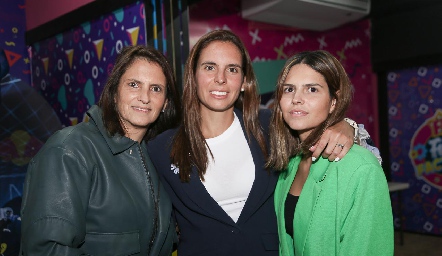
[230, 174]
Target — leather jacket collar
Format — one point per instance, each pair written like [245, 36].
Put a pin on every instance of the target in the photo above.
[116, 143]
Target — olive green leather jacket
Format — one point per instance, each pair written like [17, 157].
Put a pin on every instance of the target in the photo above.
[87, 193]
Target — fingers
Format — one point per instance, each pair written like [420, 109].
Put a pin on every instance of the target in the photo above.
[343, 150]
[332, 145]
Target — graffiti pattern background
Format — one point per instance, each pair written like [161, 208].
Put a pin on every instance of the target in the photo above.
[414, 101]
[70, 69]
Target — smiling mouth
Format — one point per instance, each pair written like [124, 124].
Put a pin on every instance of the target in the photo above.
[218, 93]
[141, 109]
[297, 112]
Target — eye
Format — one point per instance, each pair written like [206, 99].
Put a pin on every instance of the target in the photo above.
[312, 89]
[156, 88]
[133, 84]
[209, 67]
[233, 69]
[288, 89]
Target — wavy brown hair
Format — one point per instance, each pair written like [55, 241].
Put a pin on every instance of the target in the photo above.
[189, 145]
[167, 119]
[284, 142]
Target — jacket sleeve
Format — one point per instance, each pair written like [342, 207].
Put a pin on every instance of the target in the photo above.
[54, 204]
[367, 221]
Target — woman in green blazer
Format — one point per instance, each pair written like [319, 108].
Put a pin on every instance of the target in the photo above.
[324, 208]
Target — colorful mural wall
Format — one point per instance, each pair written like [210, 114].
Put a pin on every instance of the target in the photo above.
[21, 134]
[269, 44]
[415, 137]
[68, 73]
[70, 69]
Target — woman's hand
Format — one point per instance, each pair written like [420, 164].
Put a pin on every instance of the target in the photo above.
[335, 142]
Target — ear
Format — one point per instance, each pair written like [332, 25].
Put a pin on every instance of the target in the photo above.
[243, 86]
[164, 106]
[334, 101]
[332, 106]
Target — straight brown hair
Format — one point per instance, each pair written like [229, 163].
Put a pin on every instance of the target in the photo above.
[284, 142]
[189, 145]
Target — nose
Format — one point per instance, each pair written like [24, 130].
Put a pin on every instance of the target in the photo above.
[297, 98]
[220, 77]
[144, 96]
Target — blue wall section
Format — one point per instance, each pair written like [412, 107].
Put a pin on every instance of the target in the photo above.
[415, 137]
[70, 69]
[19, 139]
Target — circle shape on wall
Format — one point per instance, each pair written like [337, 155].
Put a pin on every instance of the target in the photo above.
[87, 57]
[60, 64]
[106, 25]
[67, 79]
[43, 85]
[119, 46]
[94, 72]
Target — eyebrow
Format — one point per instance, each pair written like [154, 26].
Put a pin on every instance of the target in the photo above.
[213, 63]
[132, 80]
[137, 81]
[306, 85]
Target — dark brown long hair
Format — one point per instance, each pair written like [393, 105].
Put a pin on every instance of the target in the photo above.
[167, 119]
[284, 142]
[189, 145]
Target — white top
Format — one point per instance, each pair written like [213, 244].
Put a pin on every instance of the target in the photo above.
[231, 172]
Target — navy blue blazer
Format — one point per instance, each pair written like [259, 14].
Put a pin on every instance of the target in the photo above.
[206, 229]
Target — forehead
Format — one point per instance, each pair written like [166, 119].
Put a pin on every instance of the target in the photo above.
[142, 65]
[220, 51]
[304, 73]
[144, 71]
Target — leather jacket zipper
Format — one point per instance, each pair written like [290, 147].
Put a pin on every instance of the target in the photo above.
[155, 200]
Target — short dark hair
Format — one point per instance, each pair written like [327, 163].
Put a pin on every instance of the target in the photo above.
[172, 113]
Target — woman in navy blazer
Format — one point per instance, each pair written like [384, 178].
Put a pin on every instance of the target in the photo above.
[212, 166]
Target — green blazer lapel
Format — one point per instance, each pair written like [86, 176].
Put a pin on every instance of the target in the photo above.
[312, 190]
[285, 181]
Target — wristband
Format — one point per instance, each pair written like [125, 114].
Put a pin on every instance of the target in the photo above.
[353, 124]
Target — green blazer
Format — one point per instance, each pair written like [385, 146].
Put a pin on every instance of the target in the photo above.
[344, 208]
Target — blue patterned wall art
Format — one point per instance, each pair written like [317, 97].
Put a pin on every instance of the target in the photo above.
[70, 69]
[415, 137]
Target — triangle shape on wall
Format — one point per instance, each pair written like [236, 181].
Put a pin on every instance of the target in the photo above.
[12, 57]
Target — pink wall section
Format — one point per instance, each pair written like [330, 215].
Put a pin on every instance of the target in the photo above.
[266, 42]
[39, 12]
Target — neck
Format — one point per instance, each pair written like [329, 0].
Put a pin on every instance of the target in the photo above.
[303, 135]
[304, 165]
[135, 135]
[215, 123]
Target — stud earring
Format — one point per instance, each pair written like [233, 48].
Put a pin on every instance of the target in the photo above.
[242, 89]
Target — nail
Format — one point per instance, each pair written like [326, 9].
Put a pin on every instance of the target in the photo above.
[313, 158]
[337, 159]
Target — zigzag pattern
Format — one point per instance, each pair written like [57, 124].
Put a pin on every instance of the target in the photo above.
[293, 38]
[352, 43]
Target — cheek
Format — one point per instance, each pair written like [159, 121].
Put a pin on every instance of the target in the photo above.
[160, 100]
[284, 104]
[202, 78]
